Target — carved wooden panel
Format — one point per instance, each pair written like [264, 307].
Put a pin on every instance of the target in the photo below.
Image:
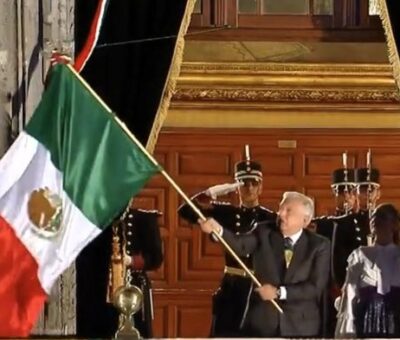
[321, 162]
[161, 157]
[160, 322]
[391, 195]
[323, 200]
[193, 320]
[195, 264]
[388, 161]
[203, 163]
[275, 164]
[301, 160]
[185, 314]
[152, 198]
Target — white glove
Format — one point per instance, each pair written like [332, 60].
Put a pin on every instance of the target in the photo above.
[127, 260]
[222, 189]
[337, 303]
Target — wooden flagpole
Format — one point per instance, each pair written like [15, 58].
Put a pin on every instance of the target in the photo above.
[171, 181]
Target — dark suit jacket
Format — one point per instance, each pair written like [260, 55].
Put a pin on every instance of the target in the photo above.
[230, 299]
[346, 233]
[305, 280]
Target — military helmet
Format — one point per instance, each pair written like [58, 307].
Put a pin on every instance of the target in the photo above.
[367, 176]
[248, 169]
[342, 178]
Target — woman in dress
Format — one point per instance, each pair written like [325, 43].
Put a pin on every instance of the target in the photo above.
[369, 306]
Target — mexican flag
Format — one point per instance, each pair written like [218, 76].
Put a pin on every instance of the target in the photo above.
[66, 177]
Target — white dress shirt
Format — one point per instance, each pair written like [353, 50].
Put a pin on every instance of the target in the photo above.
[295, 237]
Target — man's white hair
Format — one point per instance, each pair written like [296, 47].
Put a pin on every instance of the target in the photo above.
[307, 202]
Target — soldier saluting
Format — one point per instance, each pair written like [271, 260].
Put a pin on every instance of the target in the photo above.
[230, 299]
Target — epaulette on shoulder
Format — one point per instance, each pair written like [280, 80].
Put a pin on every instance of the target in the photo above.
[266, 209]
[326, 218]
[320, 218]
[340, 218]
[224, 203]
[151, 211]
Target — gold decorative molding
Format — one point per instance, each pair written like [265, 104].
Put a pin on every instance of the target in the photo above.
[287, 95]
[288, 68]
[276, 82]
[280, 95]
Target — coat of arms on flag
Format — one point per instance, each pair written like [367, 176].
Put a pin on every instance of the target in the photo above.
[45, 211]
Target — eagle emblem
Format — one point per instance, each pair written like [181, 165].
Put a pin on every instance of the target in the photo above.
[45, 212]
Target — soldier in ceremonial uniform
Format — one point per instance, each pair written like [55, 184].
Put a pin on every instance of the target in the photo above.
[344, 190]
[356, 192]
[136, 244]
[143, 253]
[352, 230]
[230, 299]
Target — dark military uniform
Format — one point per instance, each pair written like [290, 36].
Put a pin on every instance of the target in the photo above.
[230, 299]
[353, 230]
[143, 244]
[331, 227]
[340, 229]
[346, 232]
[95, 317]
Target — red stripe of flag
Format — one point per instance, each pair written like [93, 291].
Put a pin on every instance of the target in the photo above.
[21, 295]
[91, 40]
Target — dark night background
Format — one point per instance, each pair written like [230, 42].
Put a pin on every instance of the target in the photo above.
[130, 78]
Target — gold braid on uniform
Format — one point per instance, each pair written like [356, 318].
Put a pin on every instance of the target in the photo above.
[117, 268]
[393, 53]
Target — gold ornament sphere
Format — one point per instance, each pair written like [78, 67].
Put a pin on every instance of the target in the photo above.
[128, 299]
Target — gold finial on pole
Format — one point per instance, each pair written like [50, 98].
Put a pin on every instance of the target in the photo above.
[117, 268]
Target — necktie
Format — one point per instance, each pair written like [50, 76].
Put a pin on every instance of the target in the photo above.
[288, 247]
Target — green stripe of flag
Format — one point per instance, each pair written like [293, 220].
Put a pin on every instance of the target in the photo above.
[102, 168]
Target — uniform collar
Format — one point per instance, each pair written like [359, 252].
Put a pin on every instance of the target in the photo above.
[244, 209]
[339, 212]
[363, 212]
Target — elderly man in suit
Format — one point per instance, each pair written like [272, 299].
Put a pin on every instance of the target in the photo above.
[292, 264]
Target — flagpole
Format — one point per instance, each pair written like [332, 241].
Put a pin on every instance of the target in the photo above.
[171, 181]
